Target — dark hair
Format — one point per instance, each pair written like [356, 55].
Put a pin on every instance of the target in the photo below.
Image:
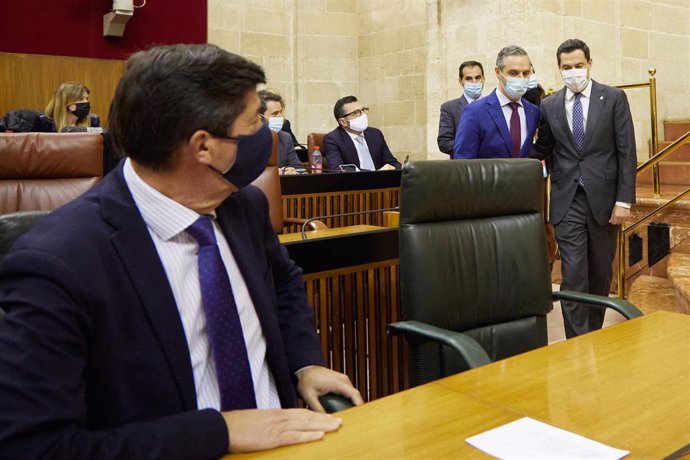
[570, 45]
[510, 50]
[266, 95]
[169, 92]
[338, 111]
[470, 64]
[535, 95]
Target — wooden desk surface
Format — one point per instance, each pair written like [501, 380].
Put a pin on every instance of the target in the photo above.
[429, 422]
[339, 231]
[627, 386]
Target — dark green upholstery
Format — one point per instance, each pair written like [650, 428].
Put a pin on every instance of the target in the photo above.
[13, 225]
[473, 260]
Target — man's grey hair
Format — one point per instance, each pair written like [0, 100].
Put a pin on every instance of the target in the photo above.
[510, 50]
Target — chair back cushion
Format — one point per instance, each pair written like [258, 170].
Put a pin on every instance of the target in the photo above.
[14, 225]
[473, 252]
[41, 171]
[316, 140]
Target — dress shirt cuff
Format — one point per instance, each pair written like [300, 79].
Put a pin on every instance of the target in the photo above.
[623, 205]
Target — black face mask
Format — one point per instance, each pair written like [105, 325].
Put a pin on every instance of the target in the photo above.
[253, 152]
[82, 110]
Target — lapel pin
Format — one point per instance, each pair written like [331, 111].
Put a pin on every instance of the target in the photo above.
[601, 98]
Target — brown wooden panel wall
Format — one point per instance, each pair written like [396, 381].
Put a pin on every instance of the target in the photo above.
[304, 206]
[29, 80]
[352, 307]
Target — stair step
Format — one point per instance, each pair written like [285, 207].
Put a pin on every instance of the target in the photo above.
[673, 129]
[678, 272]
[653, 293]
[670, 173]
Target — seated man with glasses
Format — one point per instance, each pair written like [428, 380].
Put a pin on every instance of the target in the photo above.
[353, 142]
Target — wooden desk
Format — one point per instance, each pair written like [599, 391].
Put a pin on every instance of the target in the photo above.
[340, 231]
[428, 422]
[627, 386]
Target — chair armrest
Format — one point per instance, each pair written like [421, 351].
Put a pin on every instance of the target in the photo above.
[622, 306]
[468, 348]
[333, 402]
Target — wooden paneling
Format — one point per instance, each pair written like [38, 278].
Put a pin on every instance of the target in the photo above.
[309, 205]
[29, 80]
[352, 307]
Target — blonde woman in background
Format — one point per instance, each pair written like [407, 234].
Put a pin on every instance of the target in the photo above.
[68, 110]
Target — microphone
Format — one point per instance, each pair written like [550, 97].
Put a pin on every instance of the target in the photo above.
[345, 214]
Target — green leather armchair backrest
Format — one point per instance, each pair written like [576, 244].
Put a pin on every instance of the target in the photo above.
[473, 254]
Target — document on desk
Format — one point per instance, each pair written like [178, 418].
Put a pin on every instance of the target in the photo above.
[527, 438]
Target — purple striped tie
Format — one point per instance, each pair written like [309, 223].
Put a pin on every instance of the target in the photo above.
[222, 322]
[515, 130]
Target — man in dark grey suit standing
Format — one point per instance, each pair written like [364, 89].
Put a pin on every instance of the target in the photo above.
[586, 135]
[471, 78]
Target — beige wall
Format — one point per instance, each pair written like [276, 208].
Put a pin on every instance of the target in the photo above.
[400, 57]
[626, 37]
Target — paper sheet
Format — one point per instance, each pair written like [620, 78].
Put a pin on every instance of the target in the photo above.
[527, 438]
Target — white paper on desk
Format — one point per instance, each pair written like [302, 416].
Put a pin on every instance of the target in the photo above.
[527, 438]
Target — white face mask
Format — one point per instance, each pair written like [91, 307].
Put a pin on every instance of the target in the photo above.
[515, 87]
[532, 81]
[360, 123]
[275, 123]
[575, 79]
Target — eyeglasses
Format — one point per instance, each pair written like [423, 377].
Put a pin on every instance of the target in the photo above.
[356, 113]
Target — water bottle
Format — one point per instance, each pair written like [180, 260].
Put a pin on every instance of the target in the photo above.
[316, 161]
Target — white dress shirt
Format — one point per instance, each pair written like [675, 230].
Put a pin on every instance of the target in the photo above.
[508, 112]
[585, 97]
[469, 99]
[166, 221]
[366, 163]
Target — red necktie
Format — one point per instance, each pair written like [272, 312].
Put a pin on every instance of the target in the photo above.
[515, 131]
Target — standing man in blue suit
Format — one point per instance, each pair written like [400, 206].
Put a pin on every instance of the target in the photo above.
[471, 78]
[587, 136]
[134, 312]
[502, 124]
[354, 142]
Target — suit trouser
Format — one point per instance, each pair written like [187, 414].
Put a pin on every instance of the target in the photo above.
[587, 252]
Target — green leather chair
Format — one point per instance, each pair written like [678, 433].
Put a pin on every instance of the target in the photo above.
[475, 283]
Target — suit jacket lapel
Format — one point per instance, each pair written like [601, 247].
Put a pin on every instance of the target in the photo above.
[138, 254]
[596, 104]
[496, 112]
[349, 144]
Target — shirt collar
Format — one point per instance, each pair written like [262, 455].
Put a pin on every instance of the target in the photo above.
[162, 215]
[354, 136]
[469, 99]
[503, 99]
[585, 92]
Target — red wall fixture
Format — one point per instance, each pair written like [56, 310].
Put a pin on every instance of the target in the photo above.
[75, 27]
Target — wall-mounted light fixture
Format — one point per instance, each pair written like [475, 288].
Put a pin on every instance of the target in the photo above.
[115, 21]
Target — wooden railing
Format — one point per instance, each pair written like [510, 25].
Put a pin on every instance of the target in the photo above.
[352, 282]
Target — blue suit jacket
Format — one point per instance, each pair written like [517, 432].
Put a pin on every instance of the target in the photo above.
[340, 149]
[94, 360]
[484, 133]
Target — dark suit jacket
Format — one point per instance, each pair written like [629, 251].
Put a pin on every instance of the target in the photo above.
[286, 151]
[94, 360]
[484, 133]
[451, 111]
[608, 161]
[340, 149]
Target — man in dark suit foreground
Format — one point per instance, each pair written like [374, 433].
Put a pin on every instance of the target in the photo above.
[471, 78]
[353, 142]
[586, 135]
[110, 347]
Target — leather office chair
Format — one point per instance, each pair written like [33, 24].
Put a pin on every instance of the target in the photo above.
[475, 283]
[42, 171]
[13, 225]
[313, 140]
